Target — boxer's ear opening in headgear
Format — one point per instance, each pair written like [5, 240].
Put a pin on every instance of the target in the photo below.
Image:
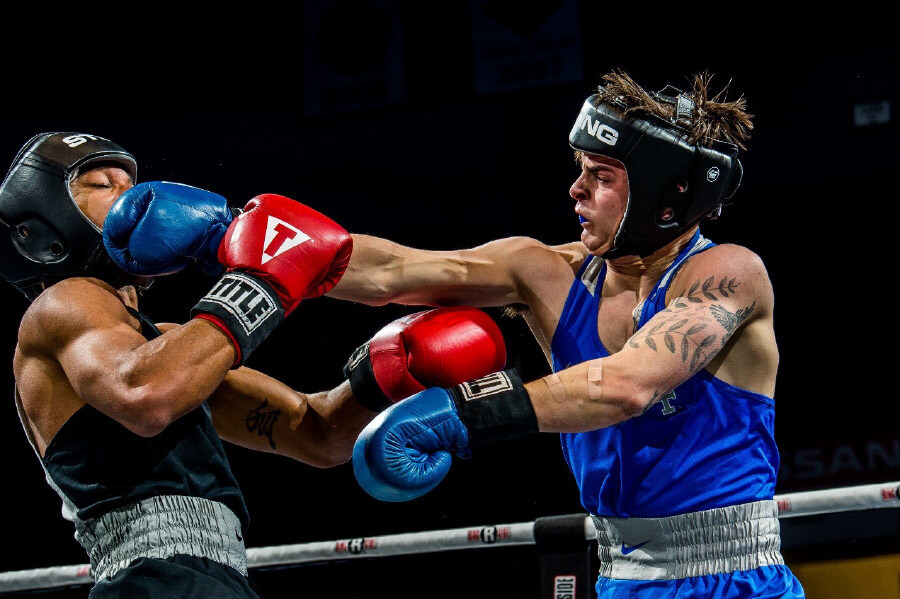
[44, 235]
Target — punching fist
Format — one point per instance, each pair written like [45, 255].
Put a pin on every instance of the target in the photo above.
[158, 228]
[408, 448]
[301, 253]
[439, 347]
[277, 252]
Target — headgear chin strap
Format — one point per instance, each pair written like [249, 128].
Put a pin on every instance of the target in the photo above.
[672, 182]
[44, 236]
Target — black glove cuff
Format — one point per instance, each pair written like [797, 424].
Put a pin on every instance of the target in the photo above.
[495, 407]
[247, 305]
[363, 383]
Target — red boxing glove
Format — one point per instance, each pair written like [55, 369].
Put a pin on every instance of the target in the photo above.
[434, 348]
[301, 253]
[277, 252]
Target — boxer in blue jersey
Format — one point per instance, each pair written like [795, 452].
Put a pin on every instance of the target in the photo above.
[661, 343]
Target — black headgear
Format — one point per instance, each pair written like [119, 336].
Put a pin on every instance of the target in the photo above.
[672, 182]
[44, 236]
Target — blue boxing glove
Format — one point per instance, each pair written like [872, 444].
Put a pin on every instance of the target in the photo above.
[407, 450]
[158, 228]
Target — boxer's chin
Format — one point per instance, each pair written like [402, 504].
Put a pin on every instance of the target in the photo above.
[595, 245]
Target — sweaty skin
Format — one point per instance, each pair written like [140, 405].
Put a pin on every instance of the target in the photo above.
[719, 313]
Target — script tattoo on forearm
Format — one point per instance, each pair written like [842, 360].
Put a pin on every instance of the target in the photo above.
[694, 343]
[262, 421]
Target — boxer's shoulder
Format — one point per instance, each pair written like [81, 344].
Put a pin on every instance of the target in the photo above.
[543, 273]
[574, 254]
[530, 260]
[66, 310]
[725, 272]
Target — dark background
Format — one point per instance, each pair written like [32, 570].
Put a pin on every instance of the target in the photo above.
[388, 117]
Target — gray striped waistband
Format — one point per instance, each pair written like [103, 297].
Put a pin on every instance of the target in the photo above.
[738, 537]
[160, 527]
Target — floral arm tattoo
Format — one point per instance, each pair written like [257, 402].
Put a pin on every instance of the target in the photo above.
[694, 343]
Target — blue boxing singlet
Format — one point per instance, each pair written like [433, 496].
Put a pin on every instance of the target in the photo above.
[707, 444]
[680, 496]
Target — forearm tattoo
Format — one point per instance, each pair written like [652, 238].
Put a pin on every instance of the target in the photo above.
[262, 421]
[694, 343]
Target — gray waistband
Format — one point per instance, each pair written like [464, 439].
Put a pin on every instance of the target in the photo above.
[738, 537]
[160, 527]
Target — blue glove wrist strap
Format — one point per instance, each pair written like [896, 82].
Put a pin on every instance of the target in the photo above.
[495, 407]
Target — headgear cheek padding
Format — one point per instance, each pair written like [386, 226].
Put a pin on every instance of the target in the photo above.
[44, 236]
[672, 182]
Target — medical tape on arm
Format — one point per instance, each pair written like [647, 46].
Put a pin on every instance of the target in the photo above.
[594, 378]
[557, 389]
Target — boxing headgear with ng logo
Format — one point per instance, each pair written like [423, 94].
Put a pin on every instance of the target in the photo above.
[672, 183]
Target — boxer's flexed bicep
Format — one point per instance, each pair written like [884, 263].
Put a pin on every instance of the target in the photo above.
[720, 299]
[727, 288]
[83, 326]
[497, 273]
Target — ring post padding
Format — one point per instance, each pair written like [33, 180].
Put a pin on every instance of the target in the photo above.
[564, 552]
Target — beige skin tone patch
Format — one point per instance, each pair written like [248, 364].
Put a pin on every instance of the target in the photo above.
[557, 389]
[594, 377]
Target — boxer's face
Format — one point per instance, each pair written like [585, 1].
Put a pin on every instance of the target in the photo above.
[601, 195]
[96, 188]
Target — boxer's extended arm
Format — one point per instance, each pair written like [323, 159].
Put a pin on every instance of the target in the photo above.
[497, 273]
[407, 451]
[82, 325]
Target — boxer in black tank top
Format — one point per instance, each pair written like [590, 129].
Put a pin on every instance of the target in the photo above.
[128, 417]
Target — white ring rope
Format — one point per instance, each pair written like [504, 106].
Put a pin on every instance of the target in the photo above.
[790, 505]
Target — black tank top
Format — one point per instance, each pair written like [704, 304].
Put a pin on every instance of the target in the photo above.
[97, 465]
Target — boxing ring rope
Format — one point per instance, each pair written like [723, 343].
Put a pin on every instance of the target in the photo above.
[790, 505]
